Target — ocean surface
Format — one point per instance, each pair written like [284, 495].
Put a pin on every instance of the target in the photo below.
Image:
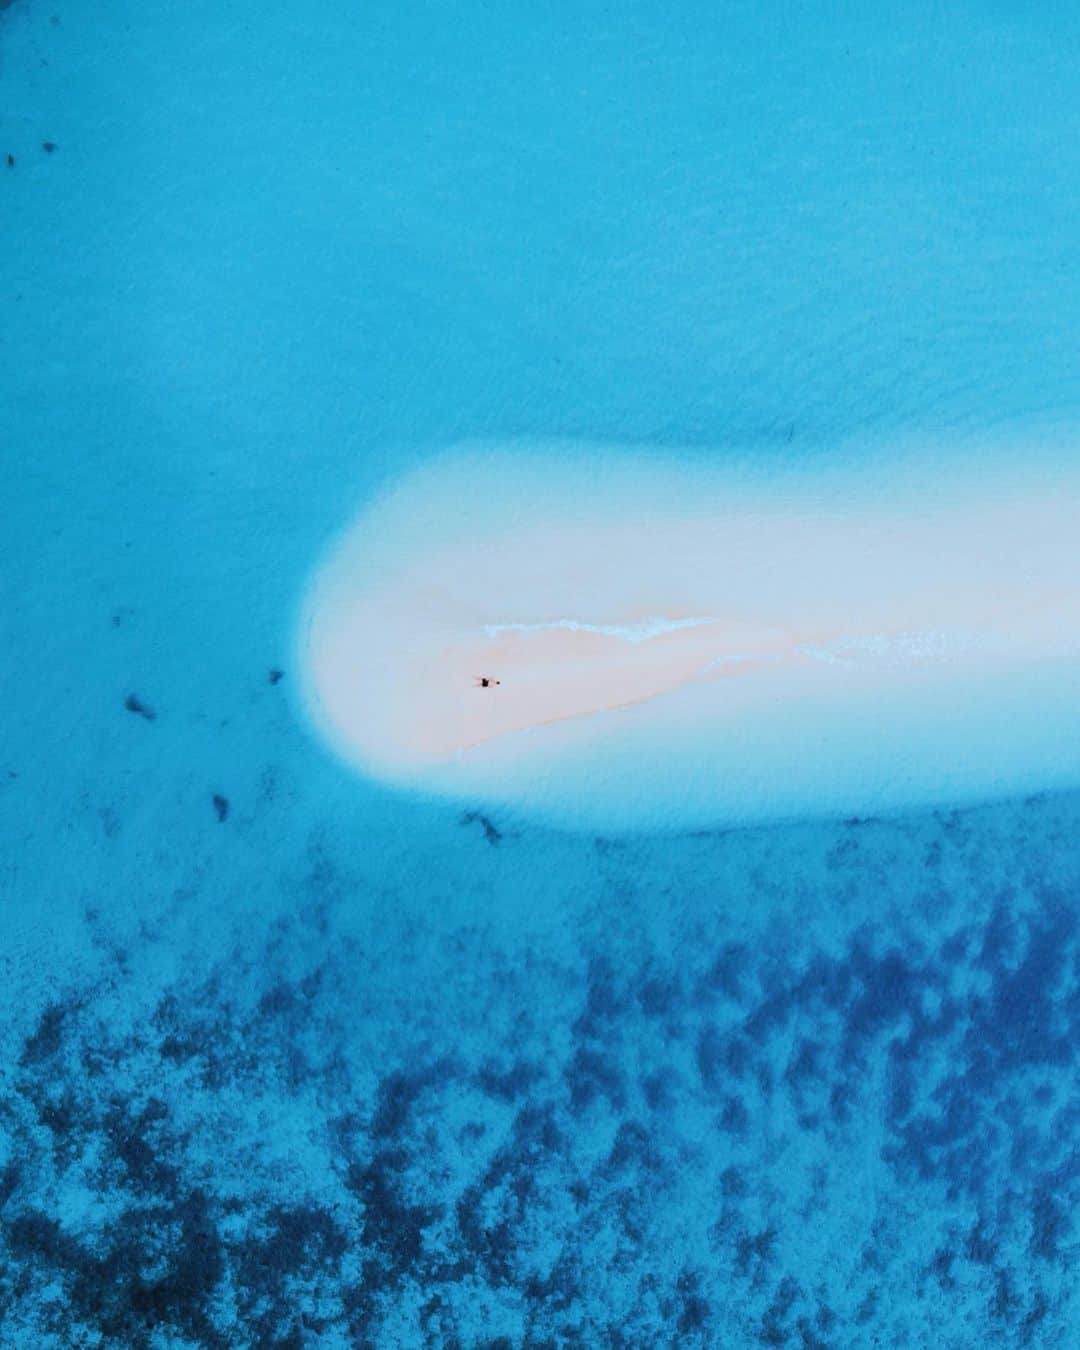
[290, 1059]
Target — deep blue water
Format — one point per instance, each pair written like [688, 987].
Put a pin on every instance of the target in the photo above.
[290, 1060]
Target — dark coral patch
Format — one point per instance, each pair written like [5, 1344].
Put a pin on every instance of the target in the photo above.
[624, 1142]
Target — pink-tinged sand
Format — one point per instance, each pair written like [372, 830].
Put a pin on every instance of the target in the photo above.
[711, 616]
[432, 706]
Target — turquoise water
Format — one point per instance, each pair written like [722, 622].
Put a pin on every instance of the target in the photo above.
[289, 1059]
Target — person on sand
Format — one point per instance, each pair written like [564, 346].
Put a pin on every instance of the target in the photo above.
[485, 681]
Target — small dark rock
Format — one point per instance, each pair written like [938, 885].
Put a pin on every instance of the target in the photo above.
[135, 705]
[275, 676]
[48, 146]
[221, 806]
[491, 833]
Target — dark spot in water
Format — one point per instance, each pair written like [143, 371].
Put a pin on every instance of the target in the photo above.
[658, 1089]
[48, 146]
[727, 975]
[1049, 1224]
[515, 1082]
[60, 1116]
[1038, 1311]
[112, 1287]
[397, 1095]
[1003, 1304]
[135, 705]
[177, 1049]
[303, 1239]
[695, 1310]
[774, 1330]
[980, 1246]
[11, 161]
[278, 1000]
[734, 1117]
[221, 806]
[275, 676]
[657, 996]
[593, 1075]
[806, 1064]
[9, 1181]
[721, 1057]
[632, 1147]
[808, 1339]
[45, 1041]
[489, 1242]
[605, 1001]
[754, 1251]
[941, 1267]
[491, 834]
[393, 1229]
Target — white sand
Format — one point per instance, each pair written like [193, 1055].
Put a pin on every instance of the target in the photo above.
[674, 644]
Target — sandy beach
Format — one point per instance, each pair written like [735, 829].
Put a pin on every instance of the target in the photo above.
[749, 611]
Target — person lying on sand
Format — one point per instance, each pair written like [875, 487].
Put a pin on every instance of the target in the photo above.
[485, 681]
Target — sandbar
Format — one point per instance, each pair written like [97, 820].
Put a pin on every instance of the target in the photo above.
[677, 642]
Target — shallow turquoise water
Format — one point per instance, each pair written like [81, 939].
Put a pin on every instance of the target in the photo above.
[314, 1064]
